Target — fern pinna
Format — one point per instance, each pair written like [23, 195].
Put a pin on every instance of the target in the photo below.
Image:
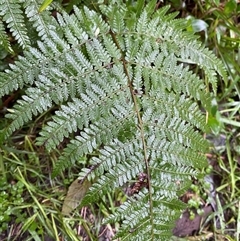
[120, 79]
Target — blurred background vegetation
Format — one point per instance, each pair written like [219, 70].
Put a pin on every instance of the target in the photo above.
[30, 200]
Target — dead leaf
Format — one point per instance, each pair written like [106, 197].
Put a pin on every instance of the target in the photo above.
[187, 227]
[75, 194]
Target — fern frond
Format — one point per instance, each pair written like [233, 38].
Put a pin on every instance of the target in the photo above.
[37, 102]
[23, 72]
[196, 54]
[136, 211]
[12, 14]
[122, 161]
[99, 101]
[92, 137]
[126, 100]
[42, 22]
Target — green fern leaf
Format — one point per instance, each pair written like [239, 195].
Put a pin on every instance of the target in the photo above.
[125, 98]
[41, 21]
[4, 40]
[12, 14]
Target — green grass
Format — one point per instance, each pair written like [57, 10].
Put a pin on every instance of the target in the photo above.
[35, 199]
